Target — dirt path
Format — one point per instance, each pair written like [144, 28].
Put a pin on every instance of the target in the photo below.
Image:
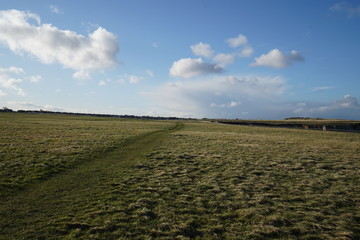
[50, 205]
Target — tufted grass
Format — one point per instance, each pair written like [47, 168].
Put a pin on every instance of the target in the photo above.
[34, 147]
[199, 181]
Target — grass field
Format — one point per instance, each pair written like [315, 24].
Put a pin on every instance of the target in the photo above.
[302, 123]
[167, 180]
[34, 147]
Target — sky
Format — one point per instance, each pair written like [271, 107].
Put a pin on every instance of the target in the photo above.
[245, 59]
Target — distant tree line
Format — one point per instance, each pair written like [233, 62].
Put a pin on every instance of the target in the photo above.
[5, 109]
[303, 118]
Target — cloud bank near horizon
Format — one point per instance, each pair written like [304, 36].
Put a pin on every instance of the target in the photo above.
[246, 97]
[219, 96]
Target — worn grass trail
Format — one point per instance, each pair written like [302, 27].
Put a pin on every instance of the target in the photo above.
[49, 209]
[200, 181]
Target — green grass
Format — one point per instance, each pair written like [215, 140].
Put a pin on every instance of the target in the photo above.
[196, 181]
[258, 183]
[35, 146]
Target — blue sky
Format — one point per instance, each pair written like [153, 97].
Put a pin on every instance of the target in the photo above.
[216, 59]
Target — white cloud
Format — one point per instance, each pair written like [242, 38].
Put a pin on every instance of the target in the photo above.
[228, 105]
[102, 83]
[82, 74]
[233, 104]
[35, 79]
[352, 11]
[7, 81]
[189, 67]
[202, 50]
[15, 70]
[224, 59]
[55, 9]
[346, 108]
[135, 79]
[237, 41]
[348, 102]
[247, 51]
[321, 89]
[132, 79]
[276, 59]
[222, 96]
[241, 40]
[52, 45]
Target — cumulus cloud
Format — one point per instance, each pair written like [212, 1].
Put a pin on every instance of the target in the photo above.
[276, 59]
[221, 96]
[132, 79]
[241, 40]
[9, 82]
[49, 44]
[12, 77]
[247, 51]
[237, 41]
[202, 50]
[224, 59]
[349, 9]
[189, 67]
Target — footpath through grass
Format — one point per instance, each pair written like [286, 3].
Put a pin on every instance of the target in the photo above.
[33, 147]
[200, 181]
[48, 209]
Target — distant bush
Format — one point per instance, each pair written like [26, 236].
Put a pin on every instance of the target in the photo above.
[5, 109]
